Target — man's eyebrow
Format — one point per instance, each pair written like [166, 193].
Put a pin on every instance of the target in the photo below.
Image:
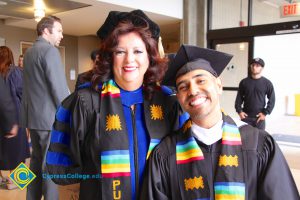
[184, 81]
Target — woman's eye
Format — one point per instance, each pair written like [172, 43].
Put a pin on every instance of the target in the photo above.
[138, 51]
[119, 52]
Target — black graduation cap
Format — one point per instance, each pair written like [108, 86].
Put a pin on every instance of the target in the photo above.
[189, 58]
[137, 17]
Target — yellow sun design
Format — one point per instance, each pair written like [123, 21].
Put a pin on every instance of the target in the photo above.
[113, 122]
[156, 112]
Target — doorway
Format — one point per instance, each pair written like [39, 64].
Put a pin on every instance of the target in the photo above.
[282, 68]
[281, 55]
[235, 71]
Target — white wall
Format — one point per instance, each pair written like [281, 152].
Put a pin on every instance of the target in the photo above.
[86, 45]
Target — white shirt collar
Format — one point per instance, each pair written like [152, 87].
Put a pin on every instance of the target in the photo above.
[208, 136]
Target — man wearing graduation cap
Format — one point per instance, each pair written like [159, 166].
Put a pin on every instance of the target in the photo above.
[212, 156]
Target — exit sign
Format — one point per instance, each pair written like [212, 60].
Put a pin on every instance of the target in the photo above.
[290, 10]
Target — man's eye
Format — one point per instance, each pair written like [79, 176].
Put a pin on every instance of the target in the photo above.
[201, 81]
[182, 88]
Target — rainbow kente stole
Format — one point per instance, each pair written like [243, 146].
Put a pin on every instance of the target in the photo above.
[195, 171]
[112, 139]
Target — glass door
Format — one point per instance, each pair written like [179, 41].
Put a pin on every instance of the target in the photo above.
[235, 71]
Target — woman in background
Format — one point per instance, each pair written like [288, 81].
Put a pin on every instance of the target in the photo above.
[15, 149]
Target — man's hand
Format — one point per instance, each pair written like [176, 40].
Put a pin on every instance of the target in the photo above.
[260, 117]
[13, 132]
[242, 115]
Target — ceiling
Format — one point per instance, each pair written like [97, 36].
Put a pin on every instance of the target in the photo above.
[84, 17]
[79, 17]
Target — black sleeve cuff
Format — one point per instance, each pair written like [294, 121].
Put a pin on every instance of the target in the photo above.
[265, 112]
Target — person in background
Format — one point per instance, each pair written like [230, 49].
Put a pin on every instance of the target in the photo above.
[20, 64]
[45, 86]
[20, 61]
[14, 149]
[82, 78]
[250, 102]
[213, 156]
[8, 113]
[107, 130]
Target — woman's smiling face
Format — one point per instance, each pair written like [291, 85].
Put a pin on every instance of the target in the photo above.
[131, 61]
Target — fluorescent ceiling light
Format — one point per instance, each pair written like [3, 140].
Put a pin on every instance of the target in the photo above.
[39, 10]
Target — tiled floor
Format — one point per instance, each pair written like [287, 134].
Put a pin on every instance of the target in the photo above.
[286, 129]
[291, 154]
[287, 125]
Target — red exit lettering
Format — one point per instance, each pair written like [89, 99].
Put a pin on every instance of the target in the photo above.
[290, 9]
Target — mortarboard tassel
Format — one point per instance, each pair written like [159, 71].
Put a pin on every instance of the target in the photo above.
[160, 48]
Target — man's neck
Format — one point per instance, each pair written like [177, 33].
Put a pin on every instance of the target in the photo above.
[208, 121]
[256, 76]
[46, 38]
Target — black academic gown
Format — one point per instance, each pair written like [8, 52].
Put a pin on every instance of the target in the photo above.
[8, 114]
[266, 173]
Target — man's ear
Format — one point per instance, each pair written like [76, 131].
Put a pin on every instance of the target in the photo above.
[219, 85]
[46, 31]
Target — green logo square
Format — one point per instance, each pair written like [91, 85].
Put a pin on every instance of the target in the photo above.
[22, 176]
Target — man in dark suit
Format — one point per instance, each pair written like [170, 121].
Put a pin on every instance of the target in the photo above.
[45, 86]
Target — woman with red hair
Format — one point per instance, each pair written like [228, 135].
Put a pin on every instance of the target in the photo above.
[14, 150]
[104, 132]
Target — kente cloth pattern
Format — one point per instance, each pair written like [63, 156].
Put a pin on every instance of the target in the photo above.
[192, 165]
[115, 163]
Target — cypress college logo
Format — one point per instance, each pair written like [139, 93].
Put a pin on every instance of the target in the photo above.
[22, 176]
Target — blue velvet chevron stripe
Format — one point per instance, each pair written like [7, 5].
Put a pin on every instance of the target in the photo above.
[85, 85]
[55, 158]
[166, 90]
[182, 118]
[60, 137]
[63, 115]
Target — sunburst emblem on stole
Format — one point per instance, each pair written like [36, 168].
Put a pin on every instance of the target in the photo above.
[230, 160]
[113, 122]
[156, 112]
[193, 183]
